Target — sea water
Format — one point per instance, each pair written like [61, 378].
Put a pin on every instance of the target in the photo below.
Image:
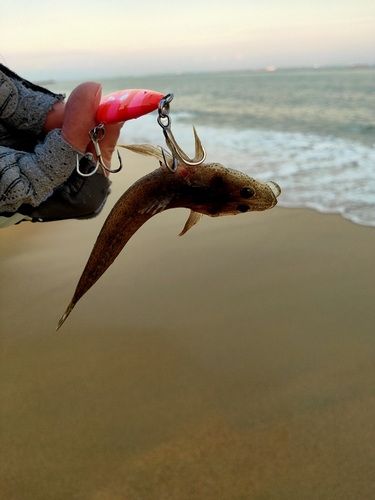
[310, 130]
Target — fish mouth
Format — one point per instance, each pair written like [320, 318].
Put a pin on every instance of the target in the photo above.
[275, 188]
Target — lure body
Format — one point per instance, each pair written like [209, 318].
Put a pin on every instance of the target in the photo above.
[127, 104]
[207, 189]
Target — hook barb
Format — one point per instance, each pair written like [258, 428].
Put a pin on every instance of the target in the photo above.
[101, 163]
[177, 152]
[172, 167]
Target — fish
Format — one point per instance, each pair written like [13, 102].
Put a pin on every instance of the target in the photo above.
[206, 189]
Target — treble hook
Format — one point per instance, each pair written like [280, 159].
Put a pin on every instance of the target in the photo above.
[96, 135]
[164, 121]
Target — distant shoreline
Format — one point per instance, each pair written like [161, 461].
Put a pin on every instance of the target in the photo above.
[265, 69]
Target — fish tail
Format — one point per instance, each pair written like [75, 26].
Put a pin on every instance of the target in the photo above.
[65, 315]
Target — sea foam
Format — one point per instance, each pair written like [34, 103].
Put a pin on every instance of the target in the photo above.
[328, 174]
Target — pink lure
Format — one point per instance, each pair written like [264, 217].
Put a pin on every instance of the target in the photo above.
[127, 104]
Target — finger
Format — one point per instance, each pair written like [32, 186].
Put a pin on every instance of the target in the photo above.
[80, 113]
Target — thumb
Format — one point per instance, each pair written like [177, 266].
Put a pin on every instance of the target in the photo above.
[80, 114]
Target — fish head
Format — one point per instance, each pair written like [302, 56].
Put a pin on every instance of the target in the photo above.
[216, 190]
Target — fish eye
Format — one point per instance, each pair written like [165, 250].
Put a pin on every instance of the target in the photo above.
[247, 192]
[243, 208]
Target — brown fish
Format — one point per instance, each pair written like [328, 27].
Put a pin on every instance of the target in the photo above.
[207, 189]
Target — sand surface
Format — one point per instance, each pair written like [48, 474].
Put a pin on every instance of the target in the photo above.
[236, 362]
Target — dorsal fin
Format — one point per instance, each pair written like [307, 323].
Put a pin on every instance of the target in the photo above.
[144, 149]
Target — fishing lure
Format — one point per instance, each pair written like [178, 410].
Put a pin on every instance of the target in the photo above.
[127, 105]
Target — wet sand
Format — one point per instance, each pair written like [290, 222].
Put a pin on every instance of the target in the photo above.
[236, 362]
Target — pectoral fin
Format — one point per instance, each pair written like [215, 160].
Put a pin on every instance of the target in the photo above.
[193, 219]
[155, 207]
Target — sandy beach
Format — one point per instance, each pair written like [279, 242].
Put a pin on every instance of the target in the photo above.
[233, 363]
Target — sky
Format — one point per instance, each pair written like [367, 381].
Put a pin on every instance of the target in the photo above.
[82, 39]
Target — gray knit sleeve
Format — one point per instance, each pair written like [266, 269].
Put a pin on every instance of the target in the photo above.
[31, 177]
[24, 108]
[32, 109]
[8, 96]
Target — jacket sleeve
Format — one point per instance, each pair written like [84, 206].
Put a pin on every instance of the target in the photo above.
[29, 177]
[24, 106]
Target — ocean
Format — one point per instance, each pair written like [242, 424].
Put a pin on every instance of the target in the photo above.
[310, 130]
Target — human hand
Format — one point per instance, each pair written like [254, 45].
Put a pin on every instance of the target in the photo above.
[78, 117]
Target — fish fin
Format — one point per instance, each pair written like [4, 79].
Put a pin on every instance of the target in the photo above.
[193, 219]
[156, 207]
[65, 315]
[144, 149]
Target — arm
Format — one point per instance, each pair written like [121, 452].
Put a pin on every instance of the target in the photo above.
[29, 177]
